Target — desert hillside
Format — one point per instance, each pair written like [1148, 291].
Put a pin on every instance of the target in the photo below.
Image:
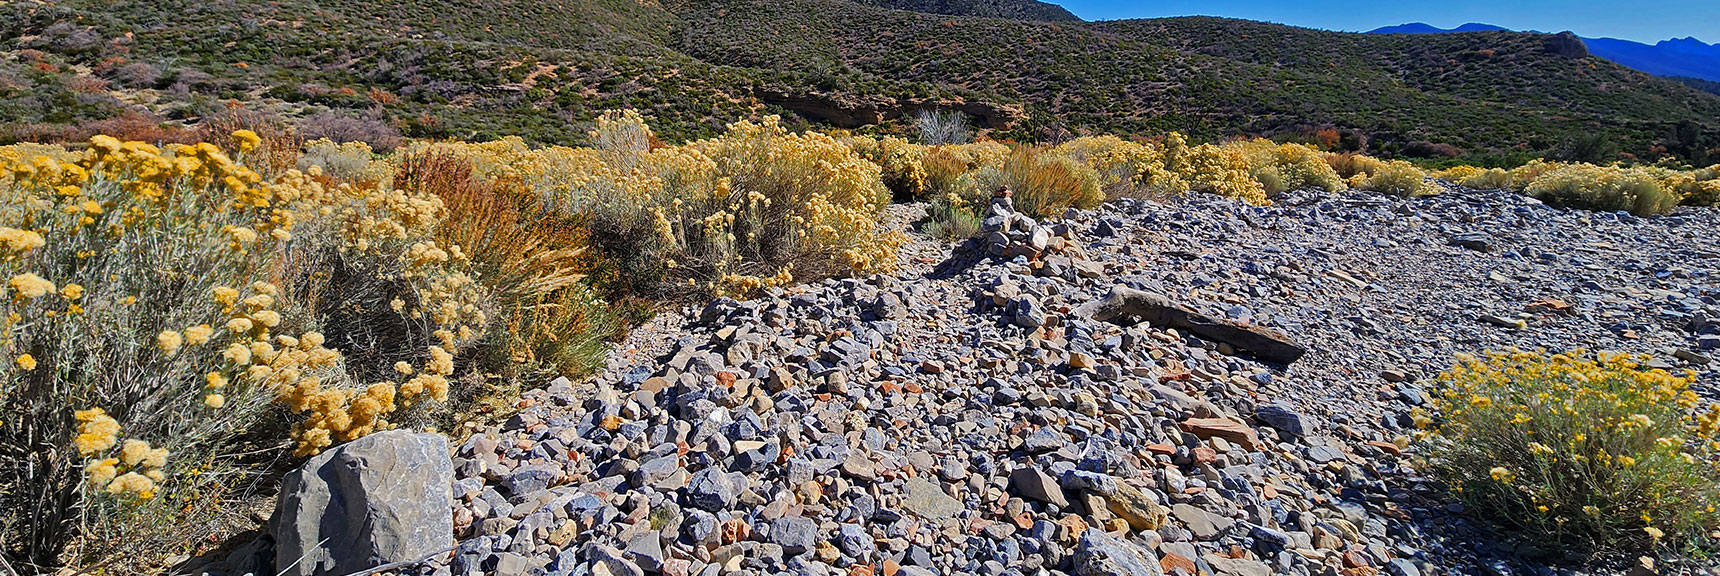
[543, 70]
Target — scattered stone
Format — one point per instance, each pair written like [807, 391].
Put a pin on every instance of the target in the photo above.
[1100, 554]
[1029, 482]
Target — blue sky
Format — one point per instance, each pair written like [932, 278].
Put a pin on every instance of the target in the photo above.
[1643, 21]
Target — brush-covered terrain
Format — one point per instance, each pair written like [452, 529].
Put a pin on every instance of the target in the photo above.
[587, 287]
[481, 70]
[775, 352]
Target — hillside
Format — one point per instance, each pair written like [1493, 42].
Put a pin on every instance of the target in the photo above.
[542, 69]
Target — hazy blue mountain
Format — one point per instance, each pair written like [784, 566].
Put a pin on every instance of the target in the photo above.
[1420, 28]
[1678, 57]
[1686, 57]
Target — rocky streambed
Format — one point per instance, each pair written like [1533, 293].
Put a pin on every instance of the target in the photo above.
[968, 416]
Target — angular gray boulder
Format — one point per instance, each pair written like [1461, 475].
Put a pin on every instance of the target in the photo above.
[383, 498]
[1101, 554]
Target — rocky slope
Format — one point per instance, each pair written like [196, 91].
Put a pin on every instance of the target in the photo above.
[970, 415]
[963, 418]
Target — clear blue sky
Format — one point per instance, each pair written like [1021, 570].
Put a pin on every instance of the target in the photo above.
[1642, 21]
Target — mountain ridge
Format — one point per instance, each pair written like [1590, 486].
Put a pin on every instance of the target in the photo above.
[1685, 57]
[1011, 9]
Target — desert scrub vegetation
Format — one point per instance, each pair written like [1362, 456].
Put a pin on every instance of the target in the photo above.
[902, 163]
[1045, 184]
[168, 311]
[1395, 177]
[1642, 190]
[758, 206]
[1284, 167]
[1221, 170]
[1126, 169]
[1571, 450]
[1607, 188]
[532, 261]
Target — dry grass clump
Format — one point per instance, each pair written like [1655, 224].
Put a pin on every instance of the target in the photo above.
[531, 261]
[1567, 450]
[165, 310]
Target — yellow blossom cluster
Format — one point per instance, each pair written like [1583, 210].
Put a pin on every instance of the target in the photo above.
[1642, 189]
[903, 171]
[135, 470]
[1220, 170]
[1282, 167]
[1567, 445]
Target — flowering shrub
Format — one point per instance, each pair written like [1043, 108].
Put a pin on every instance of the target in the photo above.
[1284, 167]
[1571, 450]
[946, 165]
[1125, 168]
[1218, 170]
[1641, 189]
[1522, 176]
[903, 171]
[756, 207]
[350, 161]
[1489, 179]
[174, 299]
[1608, 188]
[1395, 177]
[532, 262]
[1699, 187]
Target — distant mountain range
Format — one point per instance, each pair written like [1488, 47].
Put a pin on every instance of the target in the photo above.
[1678, 57]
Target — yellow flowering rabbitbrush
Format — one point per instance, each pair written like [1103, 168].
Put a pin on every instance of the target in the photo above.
[182, 293]
[1570, 450]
